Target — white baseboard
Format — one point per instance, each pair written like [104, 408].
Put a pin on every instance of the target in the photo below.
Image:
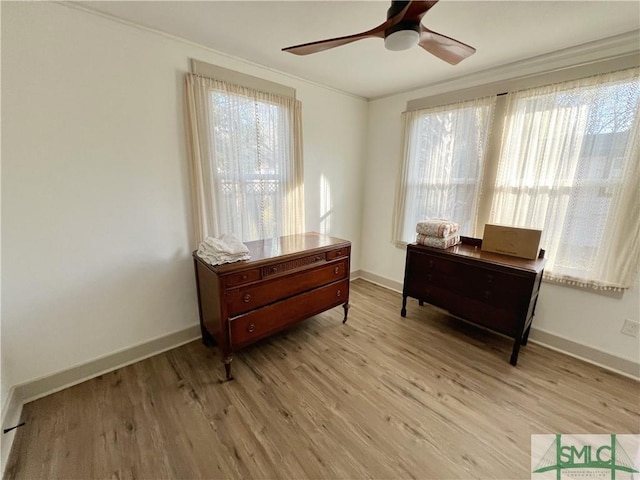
[382, 281]
[620, 365]
[41, 387]
[49, 384]
[11, 412]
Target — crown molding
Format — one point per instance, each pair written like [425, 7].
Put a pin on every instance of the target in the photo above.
[579, 55]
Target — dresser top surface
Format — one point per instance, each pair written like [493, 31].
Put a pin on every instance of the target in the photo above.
[473, 251]
[263, 251]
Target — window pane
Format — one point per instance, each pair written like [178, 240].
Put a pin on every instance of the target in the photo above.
[444, 163]
[566, 167]
[251, 152]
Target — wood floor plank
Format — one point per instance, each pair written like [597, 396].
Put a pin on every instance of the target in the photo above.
[426, 396]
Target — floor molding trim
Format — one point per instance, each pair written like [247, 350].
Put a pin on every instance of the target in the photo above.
[41, 387]
[11, 412]
[619, 365]
[49, 384]
[382, 281]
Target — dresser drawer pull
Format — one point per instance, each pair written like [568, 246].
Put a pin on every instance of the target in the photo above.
[487, 295]
[489, 278]
[251, 328]
[244, 277]
[274, 269]
[318, 258]
[339, 293]
[429, 277]
[246, 298]
[336, 270]
[338, 253]
[430, 263]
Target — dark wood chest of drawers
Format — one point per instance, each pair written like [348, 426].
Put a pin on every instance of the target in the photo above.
[496, 291]
[286, 280]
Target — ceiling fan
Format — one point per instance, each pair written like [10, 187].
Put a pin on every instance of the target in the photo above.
[401, 31]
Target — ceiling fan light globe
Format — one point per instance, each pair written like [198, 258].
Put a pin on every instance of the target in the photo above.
[401, 40]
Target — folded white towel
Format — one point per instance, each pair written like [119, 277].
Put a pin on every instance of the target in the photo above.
[437, 242]
[437, 227]
[225, 249]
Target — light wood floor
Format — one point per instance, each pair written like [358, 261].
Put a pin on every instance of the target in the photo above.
[426, 396]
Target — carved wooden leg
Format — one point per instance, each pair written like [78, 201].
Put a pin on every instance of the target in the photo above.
[526, 335]
[403, 312]
[346, 307]
[421, 303]
[227, 367]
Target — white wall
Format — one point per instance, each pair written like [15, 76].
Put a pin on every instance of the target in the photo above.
[95, 188]
[587, 318]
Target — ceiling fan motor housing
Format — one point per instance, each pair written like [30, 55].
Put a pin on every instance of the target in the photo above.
[403, 25]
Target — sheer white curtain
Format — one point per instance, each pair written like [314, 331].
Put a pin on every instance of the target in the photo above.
[569, 166]
[246, 159]
[442, 166]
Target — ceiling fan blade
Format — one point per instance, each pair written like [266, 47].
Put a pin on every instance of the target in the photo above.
[321, 45]
[448, 49]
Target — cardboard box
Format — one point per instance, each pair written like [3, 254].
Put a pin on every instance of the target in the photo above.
[517, 242]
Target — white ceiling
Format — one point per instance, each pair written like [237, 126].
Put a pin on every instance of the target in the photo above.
[501, 31]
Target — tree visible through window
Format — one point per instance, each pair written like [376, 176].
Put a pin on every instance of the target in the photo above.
[568, 164]
[247, 160]
[249, 152]
[445, 152]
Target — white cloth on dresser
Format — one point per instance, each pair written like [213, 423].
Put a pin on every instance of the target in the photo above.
[437, 242]
[225, 249]
[437, 227]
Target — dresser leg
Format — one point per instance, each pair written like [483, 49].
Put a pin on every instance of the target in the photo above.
[227, 367]
[403, 312]
[346, 307]
[526, 335]
[514, 353]
[207, 339]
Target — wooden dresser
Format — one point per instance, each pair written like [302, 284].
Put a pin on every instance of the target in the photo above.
[493, 290]
[286, 280]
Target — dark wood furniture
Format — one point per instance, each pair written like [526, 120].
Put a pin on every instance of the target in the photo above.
[492, 290]
[286, 280]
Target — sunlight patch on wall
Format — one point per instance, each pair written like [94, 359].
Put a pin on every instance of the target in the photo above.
[326, 206]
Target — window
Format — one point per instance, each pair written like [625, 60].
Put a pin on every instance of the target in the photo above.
[567, 164]
[246, 158]
[446, 149]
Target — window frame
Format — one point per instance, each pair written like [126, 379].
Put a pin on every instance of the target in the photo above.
[489, 174]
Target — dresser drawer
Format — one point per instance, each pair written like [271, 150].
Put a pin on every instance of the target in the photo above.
[498, 319]
[243, 299]
[435, 295]
[241, 278]
[291, 265]
[262, 322]
[496, 288]
[422, 264]
[337, 253]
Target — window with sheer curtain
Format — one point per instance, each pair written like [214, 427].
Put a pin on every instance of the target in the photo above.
[568, 164]
[246, 157]
[445, 150]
